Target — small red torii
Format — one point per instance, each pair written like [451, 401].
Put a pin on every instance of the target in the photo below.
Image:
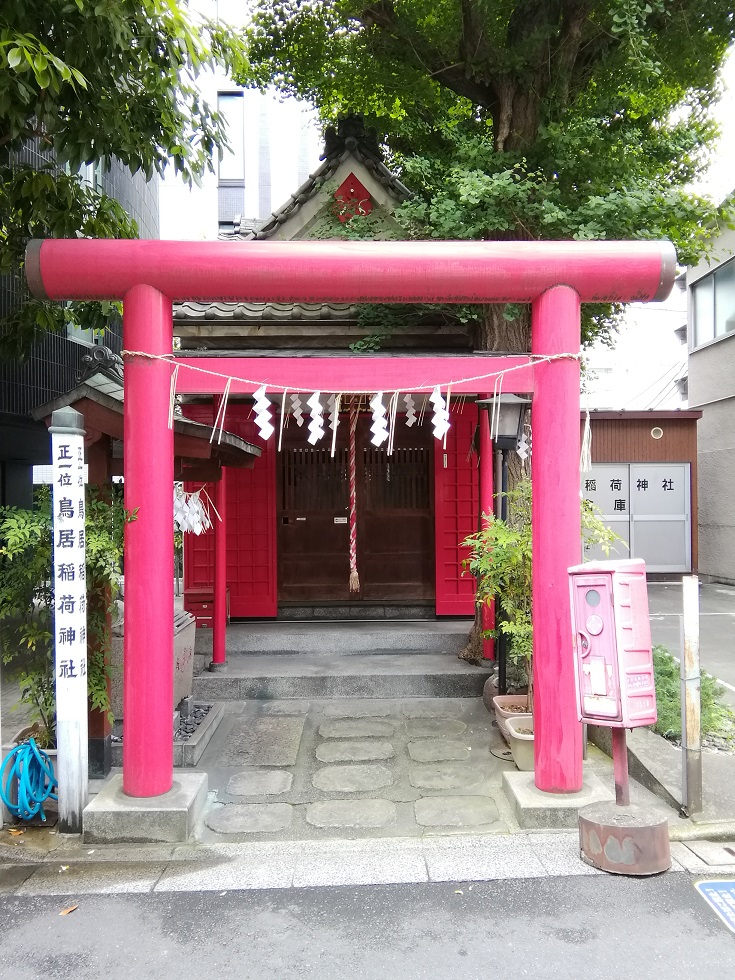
[149, 276]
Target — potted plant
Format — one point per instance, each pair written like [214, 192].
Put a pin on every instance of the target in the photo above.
[501, 561]
[27, 603]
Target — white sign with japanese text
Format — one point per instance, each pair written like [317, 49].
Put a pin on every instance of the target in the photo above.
[69, 570]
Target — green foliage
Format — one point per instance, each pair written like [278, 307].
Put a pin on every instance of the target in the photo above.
[501, 561]
[524, 119]
[93, 81]
[27, 598]
[716, 717]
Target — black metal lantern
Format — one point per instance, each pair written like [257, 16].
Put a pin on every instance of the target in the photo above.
[509, 411]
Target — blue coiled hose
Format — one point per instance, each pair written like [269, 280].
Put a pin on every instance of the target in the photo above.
[34, 777]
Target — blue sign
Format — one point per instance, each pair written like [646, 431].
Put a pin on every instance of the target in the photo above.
[721, 896]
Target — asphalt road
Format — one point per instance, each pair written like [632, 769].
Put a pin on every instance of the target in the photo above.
[596, 928]
[716, 627]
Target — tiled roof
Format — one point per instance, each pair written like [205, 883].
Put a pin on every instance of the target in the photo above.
[350, 139]
[264, 312]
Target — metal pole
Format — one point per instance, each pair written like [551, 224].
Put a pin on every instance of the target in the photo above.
[691, 735]
[620, 767]
[70, 616]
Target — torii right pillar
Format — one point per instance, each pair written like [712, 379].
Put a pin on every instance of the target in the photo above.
[555, 326]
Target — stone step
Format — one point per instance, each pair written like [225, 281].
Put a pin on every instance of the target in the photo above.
[331, 639]
[306, 676]
[377, 611]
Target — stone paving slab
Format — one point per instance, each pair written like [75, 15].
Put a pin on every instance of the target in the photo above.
[442, 750]
[285, 864]
[268, 741]
[260, 782]
[352, 779]
[396, 865]
[250, 818]
[349, 814]
[85, 879]
[434, 727]
[13, 875]
[346, 708]
[355, 751]
[447, 775]
[357, 728]
[455, 811]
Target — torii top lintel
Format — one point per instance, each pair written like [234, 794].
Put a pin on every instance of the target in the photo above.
[368, 272]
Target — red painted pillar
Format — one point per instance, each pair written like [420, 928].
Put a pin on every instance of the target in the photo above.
[219, 621]
[487, 613]
[556, 539]
[149, 547]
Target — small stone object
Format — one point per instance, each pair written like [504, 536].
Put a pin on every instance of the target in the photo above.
[624, 840]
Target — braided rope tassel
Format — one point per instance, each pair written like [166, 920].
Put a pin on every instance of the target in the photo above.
[354, 415]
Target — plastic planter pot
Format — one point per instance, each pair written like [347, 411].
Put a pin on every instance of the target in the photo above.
[509, 706]
[520, 730]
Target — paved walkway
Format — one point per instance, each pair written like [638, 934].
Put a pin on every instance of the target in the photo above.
[348, 791]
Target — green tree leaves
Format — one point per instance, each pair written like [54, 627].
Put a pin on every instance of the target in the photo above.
[89, 82]
[520, 119]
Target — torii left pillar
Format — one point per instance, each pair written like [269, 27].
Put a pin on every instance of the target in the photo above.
[149, 546]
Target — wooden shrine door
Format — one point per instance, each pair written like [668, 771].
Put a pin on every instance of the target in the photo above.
[395, 526]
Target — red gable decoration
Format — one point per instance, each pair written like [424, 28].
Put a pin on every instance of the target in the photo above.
[352, 198]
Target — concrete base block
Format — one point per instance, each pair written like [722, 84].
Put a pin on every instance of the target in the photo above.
[536, 810]
[112, 817]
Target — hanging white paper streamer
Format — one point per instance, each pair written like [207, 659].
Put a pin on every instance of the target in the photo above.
[333, 412]
[379, 428]
[190, 514]
[392, 412]
[446, 408]
[524, 446]
[263, 414]
[296, 410]
[440, 421]
[172, 396]
[220, 417]
[410, 410]
[335, 421]
[282, 418]
[316, 422]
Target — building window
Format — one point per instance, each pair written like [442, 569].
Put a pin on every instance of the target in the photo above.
[713, 303]
[232, 164]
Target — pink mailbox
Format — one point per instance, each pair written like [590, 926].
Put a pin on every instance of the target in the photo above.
[612, 643]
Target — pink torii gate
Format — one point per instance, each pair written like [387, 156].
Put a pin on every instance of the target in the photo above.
[149, 276]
